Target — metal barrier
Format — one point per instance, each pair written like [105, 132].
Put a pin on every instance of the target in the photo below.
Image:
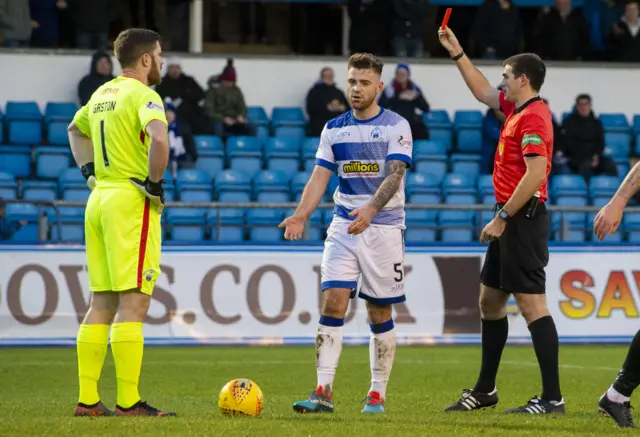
[43, 220]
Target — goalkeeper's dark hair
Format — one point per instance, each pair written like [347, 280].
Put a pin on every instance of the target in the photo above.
[133, 43]
[366, 61]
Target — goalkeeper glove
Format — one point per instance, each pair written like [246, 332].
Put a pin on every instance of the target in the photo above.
[152, 190]
[89, 172]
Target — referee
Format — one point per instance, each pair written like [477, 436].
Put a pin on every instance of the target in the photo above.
[518, 234]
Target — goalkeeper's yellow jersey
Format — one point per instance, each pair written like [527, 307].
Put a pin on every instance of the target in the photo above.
[115, 118]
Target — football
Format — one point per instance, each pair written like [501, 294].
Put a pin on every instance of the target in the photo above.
[241, 396]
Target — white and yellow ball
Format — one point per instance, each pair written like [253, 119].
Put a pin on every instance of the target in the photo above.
[241, 396]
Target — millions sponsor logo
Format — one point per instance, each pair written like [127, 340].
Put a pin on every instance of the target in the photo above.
[360, 167]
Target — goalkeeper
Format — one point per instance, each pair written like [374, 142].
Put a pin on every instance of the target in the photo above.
[120, 142]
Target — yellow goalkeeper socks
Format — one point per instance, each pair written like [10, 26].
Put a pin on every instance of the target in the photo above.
[92, 345]
[127, 344]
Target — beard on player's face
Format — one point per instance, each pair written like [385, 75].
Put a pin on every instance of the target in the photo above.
[154, 77]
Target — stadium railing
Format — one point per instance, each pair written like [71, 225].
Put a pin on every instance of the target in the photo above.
[562, 226]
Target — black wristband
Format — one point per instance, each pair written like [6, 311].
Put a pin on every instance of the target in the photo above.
[154, 187]
[88, 170]
[458, 56]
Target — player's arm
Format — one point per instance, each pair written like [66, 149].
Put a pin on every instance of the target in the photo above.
[313, 192]
[395, 170]
[475, 80]
[158, 149]
[628, 188]
[534, 151]
[79, 134]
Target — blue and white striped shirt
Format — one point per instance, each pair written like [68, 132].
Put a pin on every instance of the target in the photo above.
[358, 150]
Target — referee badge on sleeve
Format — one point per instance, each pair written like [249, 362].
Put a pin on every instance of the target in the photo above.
[531, 139]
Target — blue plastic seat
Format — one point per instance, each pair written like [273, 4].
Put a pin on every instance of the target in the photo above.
[57, 133]
[25, 132]
[469, 119]
[233, 186]
[39, 190]
[196, 195]
[187, 224]
[244, 154]
[421, 226]
[50, 161]
[192, 179]
[615, 122]
[271, 186]
[231, 222]
[575, 221]
[287, 116]
[60, 111]
[8, 186]
[568, 185]
[636, 124]
[429, 150]
[466, 167]
[263, 225]
[283, 154]
[257, 116]
[299, 181]
[422, 183]
[73, 213]
[631, 225]
[22, 110]
[21, 221]
[617, 145]
[435, 168]
[71, 178]
[603, 186]
[485, 185]
[68, 233]
[469, 140]
[437, 118]
[295, 132]
[309, 148]
[15, 160]
[443, 135]
[459, 184]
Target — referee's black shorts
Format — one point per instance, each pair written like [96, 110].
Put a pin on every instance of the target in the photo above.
[515, 262]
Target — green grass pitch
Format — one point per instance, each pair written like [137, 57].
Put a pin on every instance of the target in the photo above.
[38, 389]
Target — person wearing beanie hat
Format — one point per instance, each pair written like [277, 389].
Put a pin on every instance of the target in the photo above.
[225, 105]
[404, 97]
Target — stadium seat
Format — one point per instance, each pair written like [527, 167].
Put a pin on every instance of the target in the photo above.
[458, 224]
[74, 213]
[39, 190]
[615, 122]
[443, 135]
[467, 167]
[469, 140]
[485, 185]
[636, 124]
[191, 179]
[309, 150]
[421, 226]
[196, 195]
[263, 225]
[294, 132]
[244, 154]
[25, 132]
[603, 186]
[437, 169]
[287, 116]
[257, 116]
[22, 111]
[15, 160]
[617, 145]
[271, 186]
[50, 161]
[437, 118]
[22, 222]
[299, 181]
[187, 224]
[8, 186]
[631, 225]
[60, 111]
[420, 183]
[210, 154]
[455, 183]
[71, 178]
[428, 150]
[568, 185]
[67, 233]
[233, 186]
[467, 119]
[231, 223]
[283, 154]
[334, 181]
[574, 223]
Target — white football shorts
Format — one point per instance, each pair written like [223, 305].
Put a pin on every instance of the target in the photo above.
[374, 258]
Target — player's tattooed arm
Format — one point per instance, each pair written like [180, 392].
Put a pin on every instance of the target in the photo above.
[389, 187]
[630, 185]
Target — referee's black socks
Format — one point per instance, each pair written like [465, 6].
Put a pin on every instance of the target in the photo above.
[545, 342]
[494, 337]
[629, 377]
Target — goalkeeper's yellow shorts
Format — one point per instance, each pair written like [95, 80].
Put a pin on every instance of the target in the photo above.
[123, 235]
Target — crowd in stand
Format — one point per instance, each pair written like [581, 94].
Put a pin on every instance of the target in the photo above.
[597, 30]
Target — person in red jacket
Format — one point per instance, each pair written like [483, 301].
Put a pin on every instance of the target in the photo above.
[518, 251]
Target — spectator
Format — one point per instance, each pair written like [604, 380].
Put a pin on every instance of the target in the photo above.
[187, 96]
[45, 13]
[562, 34]
[584, 136]
[324, 102]
[408, 27]
[100, 72]
[225, 105]
[625, 36]
[182, 148]
[405, 97]
[16, 22]
[92, 19]
[369, 31]
[497, 30]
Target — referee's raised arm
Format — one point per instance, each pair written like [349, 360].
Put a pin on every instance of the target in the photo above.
[475, 80]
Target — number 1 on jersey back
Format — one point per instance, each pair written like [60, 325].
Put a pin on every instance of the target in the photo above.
[104, 144]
